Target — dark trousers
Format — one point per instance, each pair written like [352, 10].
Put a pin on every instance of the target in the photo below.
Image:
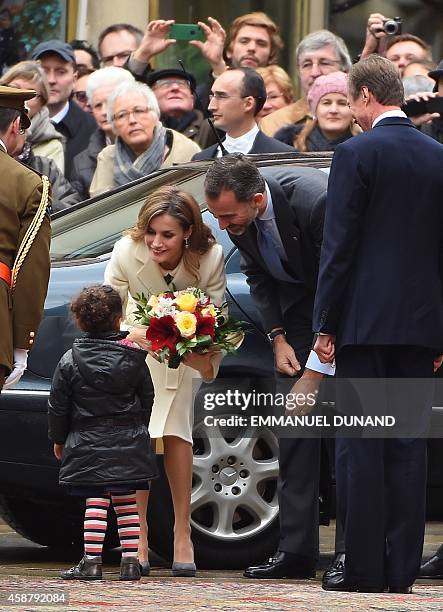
[381, 483]
[299, 475]
[2, 376]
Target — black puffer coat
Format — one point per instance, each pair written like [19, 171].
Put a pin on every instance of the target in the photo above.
[99, 408]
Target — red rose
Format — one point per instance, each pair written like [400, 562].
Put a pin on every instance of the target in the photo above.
[205, 325]
[162, 332]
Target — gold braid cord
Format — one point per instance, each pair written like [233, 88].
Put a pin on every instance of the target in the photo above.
[31, 232]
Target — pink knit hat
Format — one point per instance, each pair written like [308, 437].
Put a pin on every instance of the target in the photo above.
[334, 82]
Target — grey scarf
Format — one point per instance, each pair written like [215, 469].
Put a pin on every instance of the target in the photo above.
[128, 167]
[41, 129]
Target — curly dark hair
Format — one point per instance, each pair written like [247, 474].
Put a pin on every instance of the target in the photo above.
[97, 308]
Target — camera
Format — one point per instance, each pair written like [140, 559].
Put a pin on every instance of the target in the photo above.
[392, 26]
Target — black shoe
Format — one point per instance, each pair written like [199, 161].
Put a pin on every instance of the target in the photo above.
[130, 568]
[341, 584]
[335, 571]
[282, 565]
[407, 590]
[86, 569]
[432, 568]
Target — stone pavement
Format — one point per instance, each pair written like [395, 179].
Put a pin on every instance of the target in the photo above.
[32, 571]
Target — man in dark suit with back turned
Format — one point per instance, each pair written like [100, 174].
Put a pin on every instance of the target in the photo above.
[275, 217]
[236, 98]
[379, 312]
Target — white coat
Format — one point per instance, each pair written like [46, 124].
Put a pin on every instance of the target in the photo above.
[131, 271]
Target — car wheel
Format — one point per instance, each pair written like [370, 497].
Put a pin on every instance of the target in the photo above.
[59, 525]
[234, 506]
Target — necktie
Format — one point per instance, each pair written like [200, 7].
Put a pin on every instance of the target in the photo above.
[168, 279]
[270, 255]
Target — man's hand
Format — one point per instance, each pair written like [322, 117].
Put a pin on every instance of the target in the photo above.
[325, 348]
[426, 117]
[304, 393]
[285, 360]
[20, 363]
[376, 37]
[155, 40]
[437, 362]
[212, 48]
[58, 451]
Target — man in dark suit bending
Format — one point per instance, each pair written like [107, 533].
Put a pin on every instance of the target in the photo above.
[379, 312]
[236, 98]
[275, 217]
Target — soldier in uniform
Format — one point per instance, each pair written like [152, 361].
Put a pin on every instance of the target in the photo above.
[24, 240]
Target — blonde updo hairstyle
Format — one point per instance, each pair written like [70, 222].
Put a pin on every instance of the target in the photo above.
[170, 200]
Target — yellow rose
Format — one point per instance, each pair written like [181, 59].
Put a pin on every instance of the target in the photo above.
[153, 302]
[187, 302]
[186, 324]
[209, 311]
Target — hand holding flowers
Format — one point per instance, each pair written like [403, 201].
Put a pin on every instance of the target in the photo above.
[184, 323]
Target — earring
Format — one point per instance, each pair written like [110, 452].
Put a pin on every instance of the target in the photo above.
[186, 243]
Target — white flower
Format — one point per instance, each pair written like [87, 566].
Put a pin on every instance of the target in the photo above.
[165, 307]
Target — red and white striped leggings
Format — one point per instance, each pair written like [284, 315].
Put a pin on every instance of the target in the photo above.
[96, 522]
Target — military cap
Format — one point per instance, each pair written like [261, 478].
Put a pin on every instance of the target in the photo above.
[14, 98]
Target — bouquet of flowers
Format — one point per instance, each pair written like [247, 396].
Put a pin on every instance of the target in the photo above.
[181, 322]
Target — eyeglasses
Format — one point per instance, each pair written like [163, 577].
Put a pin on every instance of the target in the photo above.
[122, 57]
[322, 64]
[219, 95]
[138, 112]
[80, 96]
[164, 83]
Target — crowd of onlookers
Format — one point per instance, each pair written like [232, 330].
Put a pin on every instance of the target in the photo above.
[102, 118]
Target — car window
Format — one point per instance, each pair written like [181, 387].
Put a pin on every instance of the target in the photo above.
[91, 230]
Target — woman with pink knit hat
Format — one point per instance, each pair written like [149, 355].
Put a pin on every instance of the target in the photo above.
[331, 121]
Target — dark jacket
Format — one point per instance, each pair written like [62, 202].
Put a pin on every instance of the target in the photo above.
[298, 198]
[99, 407]
[193, 125]
[63, 193]
[262, 144]
[381, 279]
[434, 129]
[316, 141]
[77, 127]
[85, 163]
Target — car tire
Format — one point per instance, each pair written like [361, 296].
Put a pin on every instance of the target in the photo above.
[57, 525]
[234, 506]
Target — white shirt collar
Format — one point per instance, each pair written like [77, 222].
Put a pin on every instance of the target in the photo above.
[268, 213]
[391, 113]
[242, 144]
[2, 144]
[61, 114]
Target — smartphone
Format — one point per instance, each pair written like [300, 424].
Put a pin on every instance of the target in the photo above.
[186, 31]
[414, 108]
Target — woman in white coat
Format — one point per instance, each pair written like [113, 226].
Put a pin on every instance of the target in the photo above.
[170, 248]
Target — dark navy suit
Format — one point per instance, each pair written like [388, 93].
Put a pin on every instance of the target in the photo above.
[298, 197]
[380, 292]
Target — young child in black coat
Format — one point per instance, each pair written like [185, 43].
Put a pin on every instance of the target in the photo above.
[99, 409]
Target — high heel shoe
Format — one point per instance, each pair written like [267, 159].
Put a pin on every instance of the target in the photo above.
[183, 570]
[145, 568]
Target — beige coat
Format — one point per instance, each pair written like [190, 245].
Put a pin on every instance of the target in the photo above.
[293, 113]
[131, 271]
[182, 150]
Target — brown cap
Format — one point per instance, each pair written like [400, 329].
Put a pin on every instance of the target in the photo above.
[14, 98]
